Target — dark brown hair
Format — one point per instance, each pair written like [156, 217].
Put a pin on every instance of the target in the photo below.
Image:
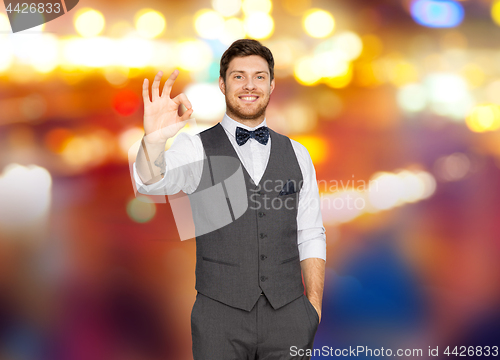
[246, 47]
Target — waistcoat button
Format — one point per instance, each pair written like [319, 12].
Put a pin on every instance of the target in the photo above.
[262, 235]
[261, 214]
[263, 278]
[263, 257]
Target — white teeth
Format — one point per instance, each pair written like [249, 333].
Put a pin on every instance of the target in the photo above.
[249, 98]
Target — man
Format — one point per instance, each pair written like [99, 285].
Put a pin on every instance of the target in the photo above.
[250, 302]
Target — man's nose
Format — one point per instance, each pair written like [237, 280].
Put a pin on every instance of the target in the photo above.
[249, 85]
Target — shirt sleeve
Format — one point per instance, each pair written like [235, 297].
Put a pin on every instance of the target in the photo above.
[184, 164]
[310, 230]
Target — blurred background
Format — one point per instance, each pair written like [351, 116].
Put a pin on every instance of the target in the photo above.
[396, 101]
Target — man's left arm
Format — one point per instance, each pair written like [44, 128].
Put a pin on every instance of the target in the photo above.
[310, 231]
[313, 270]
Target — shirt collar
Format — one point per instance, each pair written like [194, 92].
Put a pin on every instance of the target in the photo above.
[230, 125]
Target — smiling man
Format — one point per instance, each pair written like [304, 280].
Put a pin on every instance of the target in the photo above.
[250, 302]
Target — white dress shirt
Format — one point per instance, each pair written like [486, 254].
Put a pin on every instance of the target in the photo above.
[188, 149]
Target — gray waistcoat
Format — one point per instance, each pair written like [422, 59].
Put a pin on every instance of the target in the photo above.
[246, 234]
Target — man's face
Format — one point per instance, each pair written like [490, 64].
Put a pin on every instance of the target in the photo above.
[247, 88]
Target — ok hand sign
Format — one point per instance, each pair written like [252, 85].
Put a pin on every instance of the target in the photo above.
[161, 118]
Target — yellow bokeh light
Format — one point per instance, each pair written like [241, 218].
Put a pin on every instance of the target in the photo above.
[372, 47]
[250, 6]
[300, 117]
[483, 118]
[133, 52]
[209, 24]
[316, 146]
[342, 80]
[365, 75]
[47, 57]
[318, 23]
[193, 55]
[474, 74]
[402, 73]
[234, 29]
[259, 25]
[331, 64]
[227, 7]
[4, 25]
[141, 209]
[89, 22]
[305, 72]
[130, 138]
[150, 23]
[495, 12]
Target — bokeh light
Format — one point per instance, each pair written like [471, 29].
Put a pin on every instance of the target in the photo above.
[227, 7]
[495, 11]
[132, 51]
[412, 98]
[234, 29]
[4, 25]
[126, 102]
[129, 138]
[141, 209]
[453, 167]
[317, 146]
[433, 13]
[305, 71]
[259, 25]
[318, 23]
[251, 6]
[209, 24]
[448, 95]
[193, 55]
[6, 55]
[25, 195]
[387, 190]
[89, 22]
[484, 118]
[208, 101]
[342, 206]
[150, 23]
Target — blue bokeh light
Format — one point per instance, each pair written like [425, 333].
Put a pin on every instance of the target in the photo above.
[437, 13]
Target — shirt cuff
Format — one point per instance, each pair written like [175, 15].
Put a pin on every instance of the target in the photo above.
[314, 248]
[156, 188]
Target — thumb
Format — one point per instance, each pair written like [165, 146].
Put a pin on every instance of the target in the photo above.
[187, 114]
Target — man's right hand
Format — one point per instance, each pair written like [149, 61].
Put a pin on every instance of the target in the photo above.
[161, 117]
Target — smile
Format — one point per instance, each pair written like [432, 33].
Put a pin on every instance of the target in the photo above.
[250, 98]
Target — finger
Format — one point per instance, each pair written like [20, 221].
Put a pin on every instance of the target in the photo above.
[186, 115]
[145, 91]
[167, 87]
[156, 86]
[182, 99]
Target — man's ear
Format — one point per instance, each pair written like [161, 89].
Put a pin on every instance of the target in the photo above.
[272, 86]
[222, 86]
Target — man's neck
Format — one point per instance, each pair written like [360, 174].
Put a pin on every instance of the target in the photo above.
[247, 122]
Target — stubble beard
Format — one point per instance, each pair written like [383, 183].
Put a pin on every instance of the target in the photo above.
[236, 111]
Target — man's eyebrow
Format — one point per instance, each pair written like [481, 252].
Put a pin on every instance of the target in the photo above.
[242, 71]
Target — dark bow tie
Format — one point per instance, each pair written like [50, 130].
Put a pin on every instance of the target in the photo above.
[261, 135]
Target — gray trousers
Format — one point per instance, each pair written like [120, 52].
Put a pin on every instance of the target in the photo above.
[222, 332]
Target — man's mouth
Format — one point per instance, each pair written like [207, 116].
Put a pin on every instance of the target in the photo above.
[248, 98]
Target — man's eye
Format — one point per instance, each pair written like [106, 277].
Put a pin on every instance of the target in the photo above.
[238, 76]
[260, 77]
